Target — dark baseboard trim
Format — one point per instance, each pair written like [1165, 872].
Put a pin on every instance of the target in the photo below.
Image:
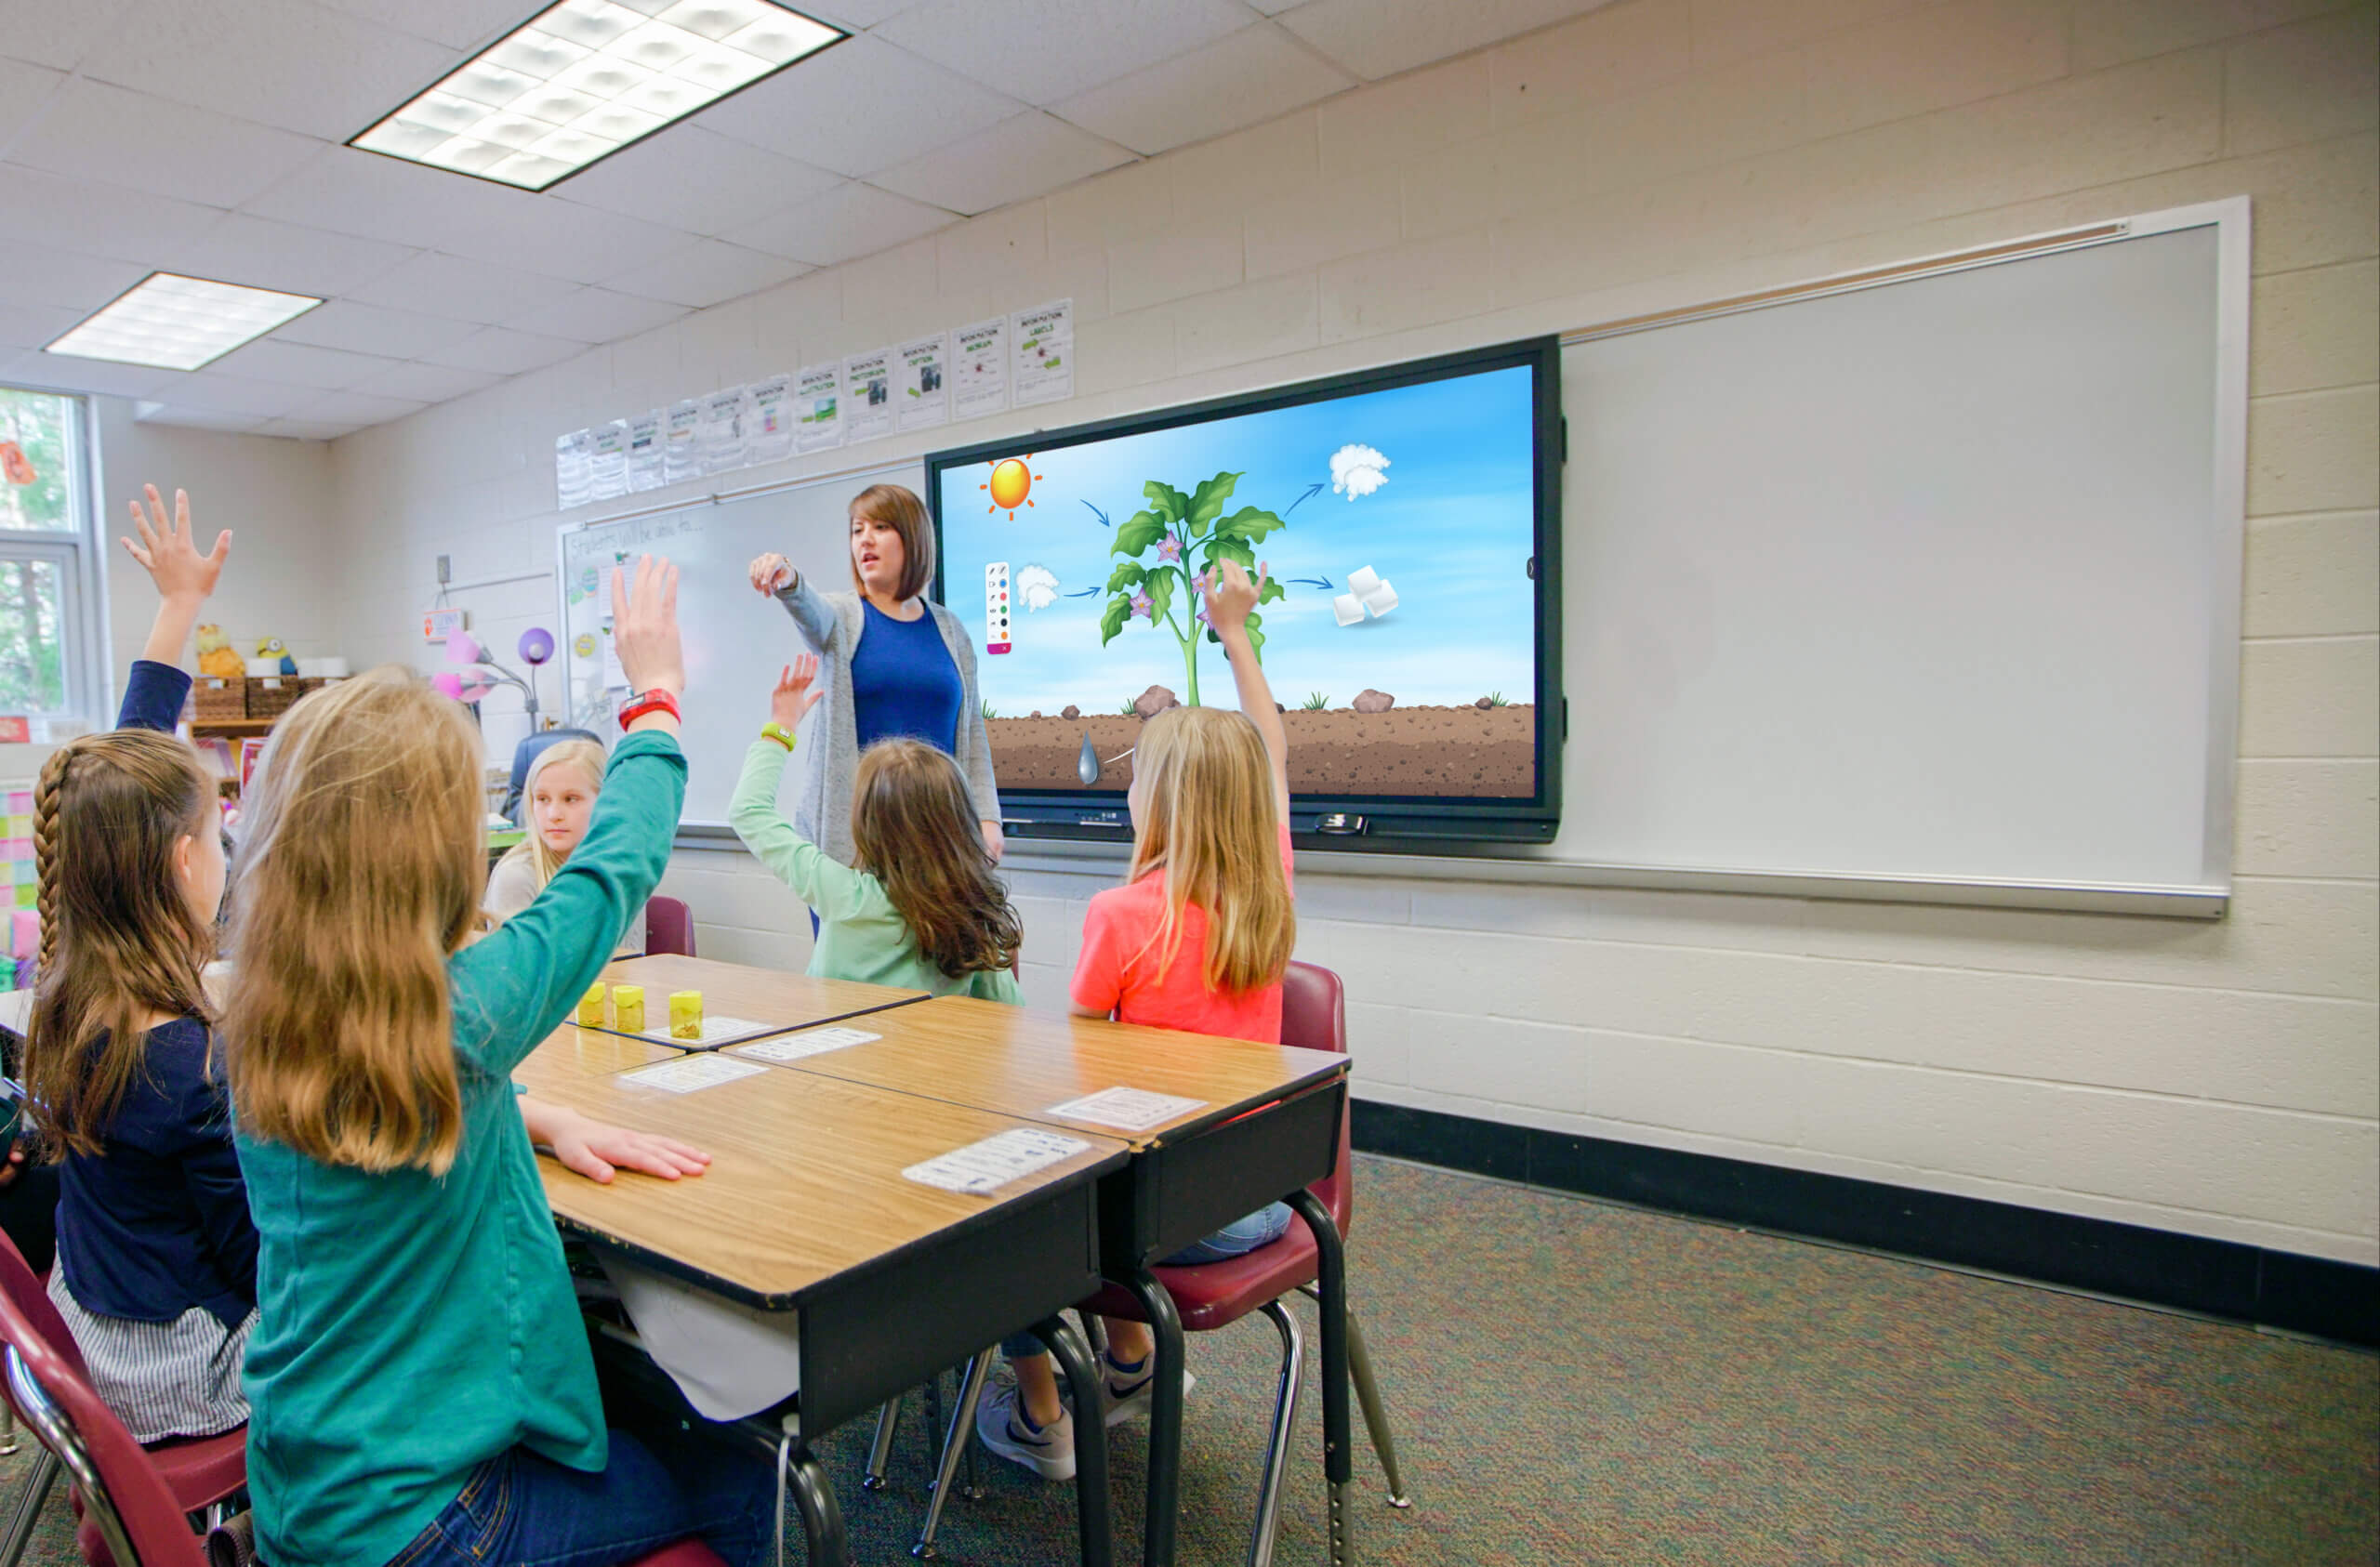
[2249, 1284]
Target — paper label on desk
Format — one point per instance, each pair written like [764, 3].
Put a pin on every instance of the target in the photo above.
[816, 1042]
[715, 1031]
[689, 1074]
[993, 1163]
[1130, 1110]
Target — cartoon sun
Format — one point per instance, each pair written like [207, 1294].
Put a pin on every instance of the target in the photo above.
[1011, 485]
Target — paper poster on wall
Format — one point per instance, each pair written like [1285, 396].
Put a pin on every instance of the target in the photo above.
[771, 423]
[925, 393]
[867, 396]
[725, 415]
[1044, 353]
[645, 461]
[681, 451]
[573, 454]
[818, 411]
[607, 472]
[979, 369]
[616, 674]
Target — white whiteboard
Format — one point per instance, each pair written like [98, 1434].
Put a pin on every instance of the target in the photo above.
[1931, 581]
[736, 639]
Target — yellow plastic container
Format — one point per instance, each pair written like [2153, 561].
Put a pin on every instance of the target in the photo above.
[590, 1006]
[627, 1009]
[686, 1014]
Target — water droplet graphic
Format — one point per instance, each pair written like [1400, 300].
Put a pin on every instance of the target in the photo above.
[1087, 765]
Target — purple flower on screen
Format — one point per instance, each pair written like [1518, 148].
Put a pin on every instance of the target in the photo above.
[1169, 548]
[1141, 605]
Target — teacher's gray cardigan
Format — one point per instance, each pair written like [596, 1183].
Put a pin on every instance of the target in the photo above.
[832, 623]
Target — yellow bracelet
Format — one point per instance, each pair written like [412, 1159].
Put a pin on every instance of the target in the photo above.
[778, 733]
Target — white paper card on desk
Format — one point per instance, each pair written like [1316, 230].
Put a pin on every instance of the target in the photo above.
[814, 1042]
[1130, 1110]
[993, 1163]
[690, 1074]
[715, 1031]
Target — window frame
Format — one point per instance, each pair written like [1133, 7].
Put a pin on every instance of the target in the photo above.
[75, 553]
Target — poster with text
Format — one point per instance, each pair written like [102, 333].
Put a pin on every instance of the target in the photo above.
[681, 449]
[608, 463]
[979, 369]
[573, 454]
[925, 393]
[646, 464]
[818, 418]
[724, 414]
[772, 420]
[1044, 353]
[867, 396]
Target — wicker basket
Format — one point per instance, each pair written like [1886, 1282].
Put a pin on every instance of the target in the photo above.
[272, 696]
[217, 697]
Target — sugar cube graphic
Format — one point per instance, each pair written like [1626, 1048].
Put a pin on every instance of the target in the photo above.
[1362, 581]
[1380, 599]
[1347, 610]
[1367, 590]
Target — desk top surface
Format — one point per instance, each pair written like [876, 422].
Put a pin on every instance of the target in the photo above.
[1023, 1063]
[761, 995]
[806, 1181]
[572, 1052]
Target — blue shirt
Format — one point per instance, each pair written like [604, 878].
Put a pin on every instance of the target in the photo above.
[904, 682]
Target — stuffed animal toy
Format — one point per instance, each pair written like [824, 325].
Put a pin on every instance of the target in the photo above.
[273, 647]
[217, 655]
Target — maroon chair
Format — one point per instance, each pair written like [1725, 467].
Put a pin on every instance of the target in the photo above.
[668, 926]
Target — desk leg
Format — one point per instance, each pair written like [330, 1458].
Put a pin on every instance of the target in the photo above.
[822, 1520]
[1091, 1441]
[1331, 1265]
[1164, 1417]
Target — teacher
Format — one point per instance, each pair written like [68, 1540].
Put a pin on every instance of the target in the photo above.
[891, 663]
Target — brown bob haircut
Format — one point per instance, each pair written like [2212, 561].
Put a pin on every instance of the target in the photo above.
[898, 507]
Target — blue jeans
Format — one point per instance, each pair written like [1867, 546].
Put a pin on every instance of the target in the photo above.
[519, 1509]
[1238, 1238]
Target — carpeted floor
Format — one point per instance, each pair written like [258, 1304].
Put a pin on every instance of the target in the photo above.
[1572, 1382]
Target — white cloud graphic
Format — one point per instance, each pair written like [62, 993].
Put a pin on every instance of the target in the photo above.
[1037, 586]
[1355, 470]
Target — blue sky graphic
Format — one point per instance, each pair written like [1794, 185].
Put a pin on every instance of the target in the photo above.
[1450, 531]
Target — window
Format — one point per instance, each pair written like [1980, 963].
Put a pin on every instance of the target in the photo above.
[48, 578]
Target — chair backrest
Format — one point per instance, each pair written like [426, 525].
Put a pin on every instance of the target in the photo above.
[527, 752]
[668, 926]
[125, 1499]
[19, 1284]
[1314, 1015]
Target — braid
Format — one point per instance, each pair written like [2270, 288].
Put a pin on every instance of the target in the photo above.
[46, 795]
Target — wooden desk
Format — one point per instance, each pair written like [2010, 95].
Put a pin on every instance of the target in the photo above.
[571, 1052]
[763, 995]
[805, 1210]
[1269, 1129]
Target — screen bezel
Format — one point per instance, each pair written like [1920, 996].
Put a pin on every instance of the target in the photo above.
[1408, 821]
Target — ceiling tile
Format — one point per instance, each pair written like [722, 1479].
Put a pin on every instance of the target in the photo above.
[856, 15]
[1253, 75]
[829, 111]
[503, 352]
[1376, 38]
[694, 179]
[380, 198]
[213, 392]
[280, 62]
[854, 220]
[1043, 50]
[463, 290]
[577, 243]
[305, 430]
[1027, 155]
[96, 132]
[32, 326]
[461, 24]
[101, 220]
[57, 35]
[263, 253]
[596, 315]
[35, 274]
[24, 87]
[368, 329]
[301, 364]
[360, 408]
[64, 373]
[709, 273]
[426, 383]
[1273, 8]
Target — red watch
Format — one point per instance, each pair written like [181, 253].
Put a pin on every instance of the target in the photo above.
[653, 701]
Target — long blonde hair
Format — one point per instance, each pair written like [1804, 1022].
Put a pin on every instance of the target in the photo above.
[589, 756]
[914, 830]
[119, 940]
[1207, 820]
[359, 874]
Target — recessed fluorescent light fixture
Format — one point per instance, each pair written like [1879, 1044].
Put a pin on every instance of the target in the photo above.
[580, 80]
[176, 322]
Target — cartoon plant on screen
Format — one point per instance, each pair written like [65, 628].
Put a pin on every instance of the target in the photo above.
[1157, 580]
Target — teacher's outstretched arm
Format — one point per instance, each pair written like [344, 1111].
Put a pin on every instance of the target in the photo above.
[774, 576]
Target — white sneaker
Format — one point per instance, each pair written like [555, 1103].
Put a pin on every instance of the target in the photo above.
[1125, 1395]
[1001, 1420]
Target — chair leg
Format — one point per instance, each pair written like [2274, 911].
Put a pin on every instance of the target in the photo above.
[1330, 1280]
[1285, 1418]
[39, 1478]
[961, 1440]
[1360, 1365]
[880, 1452]
[7, 1430]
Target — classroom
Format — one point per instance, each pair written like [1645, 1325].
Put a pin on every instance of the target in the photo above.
[827, 713]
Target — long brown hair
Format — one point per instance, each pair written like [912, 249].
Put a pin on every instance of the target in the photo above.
[361, 872]
[915, 831]
[1209, 820]
[897, 507]
[119, 940]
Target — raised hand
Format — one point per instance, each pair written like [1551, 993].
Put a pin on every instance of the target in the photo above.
[168, 551]
[1230, 595]
[771, 572]
[645, 626]
[797, 691]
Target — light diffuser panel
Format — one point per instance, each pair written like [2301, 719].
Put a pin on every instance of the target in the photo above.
[176, 322]
[584, 78]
